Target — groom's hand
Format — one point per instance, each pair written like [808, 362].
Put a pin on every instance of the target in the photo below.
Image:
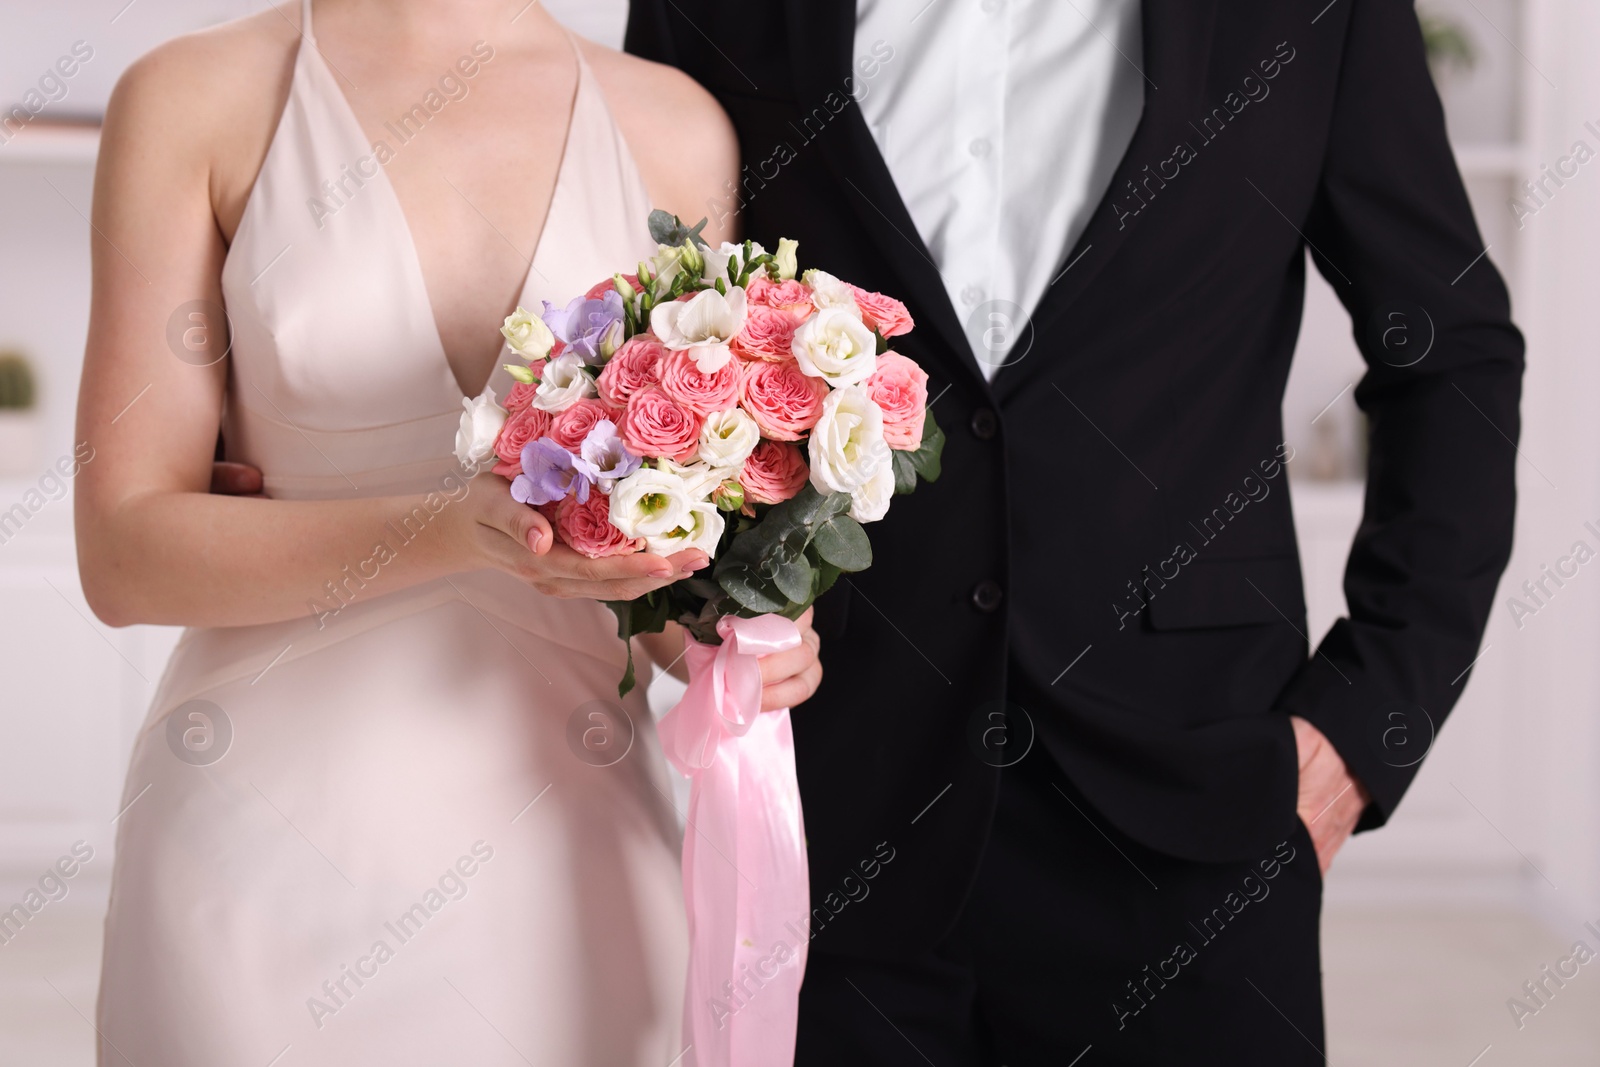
[1331, 800]
[789, 678]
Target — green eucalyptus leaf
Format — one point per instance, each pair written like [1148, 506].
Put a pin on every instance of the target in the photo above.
[667, 229]
[743, 582]
[826, 574]
[842, 542]
[623, 610]
[646, 615]
[905, 472]
[794, 579]
[926, 457]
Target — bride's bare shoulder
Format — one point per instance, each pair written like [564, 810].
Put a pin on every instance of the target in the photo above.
[681, 137]
[200, 75]
[210, 97]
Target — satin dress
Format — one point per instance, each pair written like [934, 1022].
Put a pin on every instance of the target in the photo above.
[410, 829]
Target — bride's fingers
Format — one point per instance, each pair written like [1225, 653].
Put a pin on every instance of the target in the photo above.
[689, 560]
[625, 589]
[565, 563]
[569, 574]
[522, 524]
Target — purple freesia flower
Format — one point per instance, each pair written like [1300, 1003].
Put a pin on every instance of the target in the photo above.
[549, 473]
[590, 328]
[604, 458]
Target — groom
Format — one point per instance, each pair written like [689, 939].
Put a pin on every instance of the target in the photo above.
[1059, 779]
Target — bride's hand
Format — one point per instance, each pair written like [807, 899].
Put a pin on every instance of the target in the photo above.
[501, 533]
[790, 678]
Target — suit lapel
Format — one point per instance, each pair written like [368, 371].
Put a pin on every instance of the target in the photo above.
[1177, 55]
[821, 43]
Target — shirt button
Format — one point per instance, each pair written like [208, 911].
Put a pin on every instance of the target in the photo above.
[985, 424]
[986, 596]
[979, 147]
[972, 294]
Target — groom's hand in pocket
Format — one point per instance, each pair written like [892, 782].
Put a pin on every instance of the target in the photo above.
[1330, 800]
[789, 678]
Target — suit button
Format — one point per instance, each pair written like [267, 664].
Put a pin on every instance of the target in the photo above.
[985, 424]
[986, 596]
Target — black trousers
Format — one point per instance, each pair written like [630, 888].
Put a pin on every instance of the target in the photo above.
[1080, 946]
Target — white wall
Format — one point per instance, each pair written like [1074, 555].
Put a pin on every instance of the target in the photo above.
[74, 691]
[1512, 775]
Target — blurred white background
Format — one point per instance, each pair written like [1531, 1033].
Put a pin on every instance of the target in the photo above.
[1488, 873]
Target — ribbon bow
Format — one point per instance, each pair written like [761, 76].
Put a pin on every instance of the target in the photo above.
[745, 881]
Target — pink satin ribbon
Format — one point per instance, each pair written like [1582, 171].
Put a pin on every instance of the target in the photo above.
[745, 881]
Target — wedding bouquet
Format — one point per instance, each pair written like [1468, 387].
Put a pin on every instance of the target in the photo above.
[719, 399]
[712, 400]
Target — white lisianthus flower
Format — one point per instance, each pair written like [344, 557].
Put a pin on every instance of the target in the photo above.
[703, 324]
[702, 530]
[699, 479]
[785, 258]
[836, 346]
[847, 448]
[480, 428]
[728, 438]
[527, 334]
[871, 502]
[666, 265]
[717, 260]
[651, 503]
[563, 383]
[829, 292]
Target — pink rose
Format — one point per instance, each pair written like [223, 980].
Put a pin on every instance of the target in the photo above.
[654, 424]
[773, 473]
[636, 364]
[900, 388]
[702, 393]
[570, 427]
[587, 528]
[524, 425]
[522, 393]
[784, 402]
[507, 469]
[883, 313]
[792, 297]
[768, 334]
[600, 289]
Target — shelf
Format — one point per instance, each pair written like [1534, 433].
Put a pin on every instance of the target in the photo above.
[52, 144]
[1485, 160]
[1319, 504]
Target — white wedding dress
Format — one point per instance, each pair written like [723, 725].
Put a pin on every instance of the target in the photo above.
[393, 835]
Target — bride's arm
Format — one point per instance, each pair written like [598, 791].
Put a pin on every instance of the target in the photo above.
[154, 546]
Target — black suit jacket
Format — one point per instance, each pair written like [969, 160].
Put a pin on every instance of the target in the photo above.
[1111, 547]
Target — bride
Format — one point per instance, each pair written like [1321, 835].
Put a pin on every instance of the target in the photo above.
[386, 807]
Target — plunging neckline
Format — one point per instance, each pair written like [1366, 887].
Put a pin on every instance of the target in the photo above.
[347, 114]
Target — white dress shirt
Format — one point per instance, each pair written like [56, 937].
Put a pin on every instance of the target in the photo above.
[1001, 122]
